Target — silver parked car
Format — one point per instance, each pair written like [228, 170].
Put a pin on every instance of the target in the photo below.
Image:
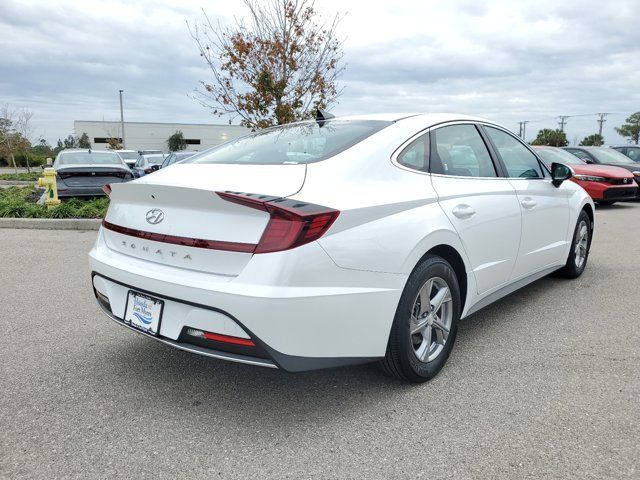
[176, 157]
[147, 164]
[129, 156]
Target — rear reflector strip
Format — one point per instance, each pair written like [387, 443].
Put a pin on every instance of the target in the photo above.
[184, 241]
[217, 337]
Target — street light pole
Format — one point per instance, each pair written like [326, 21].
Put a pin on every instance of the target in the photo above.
[124, 145]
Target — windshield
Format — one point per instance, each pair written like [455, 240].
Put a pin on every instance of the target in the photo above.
[551, 155]
[93, 158]
[609, 155]
[292, 144]
[129, 155]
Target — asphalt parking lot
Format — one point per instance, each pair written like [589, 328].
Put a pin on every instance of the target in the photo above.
[545, 383]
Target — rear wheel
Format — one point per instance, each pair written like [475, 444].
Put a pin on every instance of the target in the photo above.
[426, 322]
[579, 253]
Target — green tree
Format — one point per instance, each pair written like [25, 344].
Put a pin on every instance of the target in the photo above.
[594, 140]
[70, 142]
[553, 138]
[83, 141]
[59, 147]
[176, 142]
[277, 68]
[631, 129]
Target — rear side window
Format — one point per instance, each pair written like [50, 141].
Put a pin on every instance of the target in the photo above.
[306, 142]
[414, 156]
[517, 158]
[459, 150]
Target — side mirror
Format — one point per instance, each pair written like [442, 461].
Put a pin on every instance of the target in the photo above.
[155, 168]
[588, 160]
[560, 173]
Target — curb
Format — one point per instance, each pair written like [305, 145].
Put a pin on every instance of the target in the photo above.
[51, 223]
[17, 183]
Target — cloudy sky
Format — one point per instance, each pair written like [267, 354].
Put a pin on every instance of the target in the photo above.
[504, 60]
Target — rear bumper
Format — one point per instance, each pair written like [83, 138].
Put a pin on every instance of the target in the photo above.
[298, 327]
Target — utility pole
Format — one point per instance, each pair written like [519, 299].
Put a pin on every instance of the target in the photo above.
[124, 145]
[523, 129]
[601, 120]
[563, 120]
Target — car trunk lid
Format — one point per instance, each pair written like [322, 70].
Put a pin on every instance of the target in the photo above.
[174, 217]
[91, 175]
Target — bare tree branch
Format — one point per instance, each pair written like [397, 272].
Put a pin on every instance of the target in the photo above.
[276, 69]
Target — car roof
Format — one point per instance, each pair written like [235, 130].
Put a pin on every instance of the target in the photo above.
[432, 118]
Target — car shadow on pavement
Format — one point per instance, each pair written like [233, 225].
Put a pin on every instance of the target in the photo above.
[256, 395]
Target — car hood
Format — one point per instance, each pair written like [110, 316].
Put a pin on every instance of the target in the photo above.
[602, 170]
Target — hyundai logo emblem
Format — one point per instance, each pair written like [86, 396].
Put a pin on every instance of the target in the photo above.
[155, 216]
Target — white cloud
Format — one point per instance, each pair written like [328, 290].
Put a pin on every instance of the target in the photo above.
[509, 61]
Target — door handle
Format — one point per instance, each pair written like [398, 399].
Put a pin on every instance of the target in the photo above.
[463, 211]
[528, 203]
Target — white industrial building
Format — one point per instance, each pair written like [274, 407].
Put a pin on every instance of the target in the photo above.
[154, 136]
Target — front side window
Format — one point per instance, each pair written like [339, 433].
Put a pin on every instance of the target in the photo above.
[517, 158]
[633, 153]
[459, 150]
[582, 155]
[415, 154]
[305, 142]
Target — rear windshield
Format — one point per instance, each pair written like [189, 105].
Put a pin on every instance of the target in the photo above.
[292, 144]
[92, 158]
[557, 155]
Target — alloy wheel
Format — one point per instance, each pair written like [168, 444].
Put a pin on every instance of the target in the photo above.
[431, 318]
[581, 244]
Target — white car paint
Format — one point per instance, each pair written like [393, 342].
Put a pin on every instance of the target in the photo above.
[334, 298]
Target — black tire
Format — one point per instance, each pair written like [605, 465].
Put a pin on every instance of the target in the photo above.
[400, 360]
[571, 268]
[606, 203]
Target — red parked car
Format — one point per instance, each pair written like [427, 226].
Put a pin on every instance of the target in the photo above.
[606, 184]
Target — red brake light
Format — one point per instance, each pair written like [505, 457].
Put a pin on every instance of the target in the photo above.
[107, 189]
[292, 223]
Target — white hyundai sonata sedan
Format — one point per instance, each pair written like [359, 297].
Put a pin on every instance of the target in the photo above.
[337, 241]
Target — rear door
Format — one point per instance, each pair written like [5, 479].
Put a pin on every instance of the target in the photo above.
[481, 205]
[544, 207]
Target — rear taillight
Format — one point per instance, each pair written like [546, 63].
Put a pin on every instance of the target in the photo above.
[107, 189]
[291, 223]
